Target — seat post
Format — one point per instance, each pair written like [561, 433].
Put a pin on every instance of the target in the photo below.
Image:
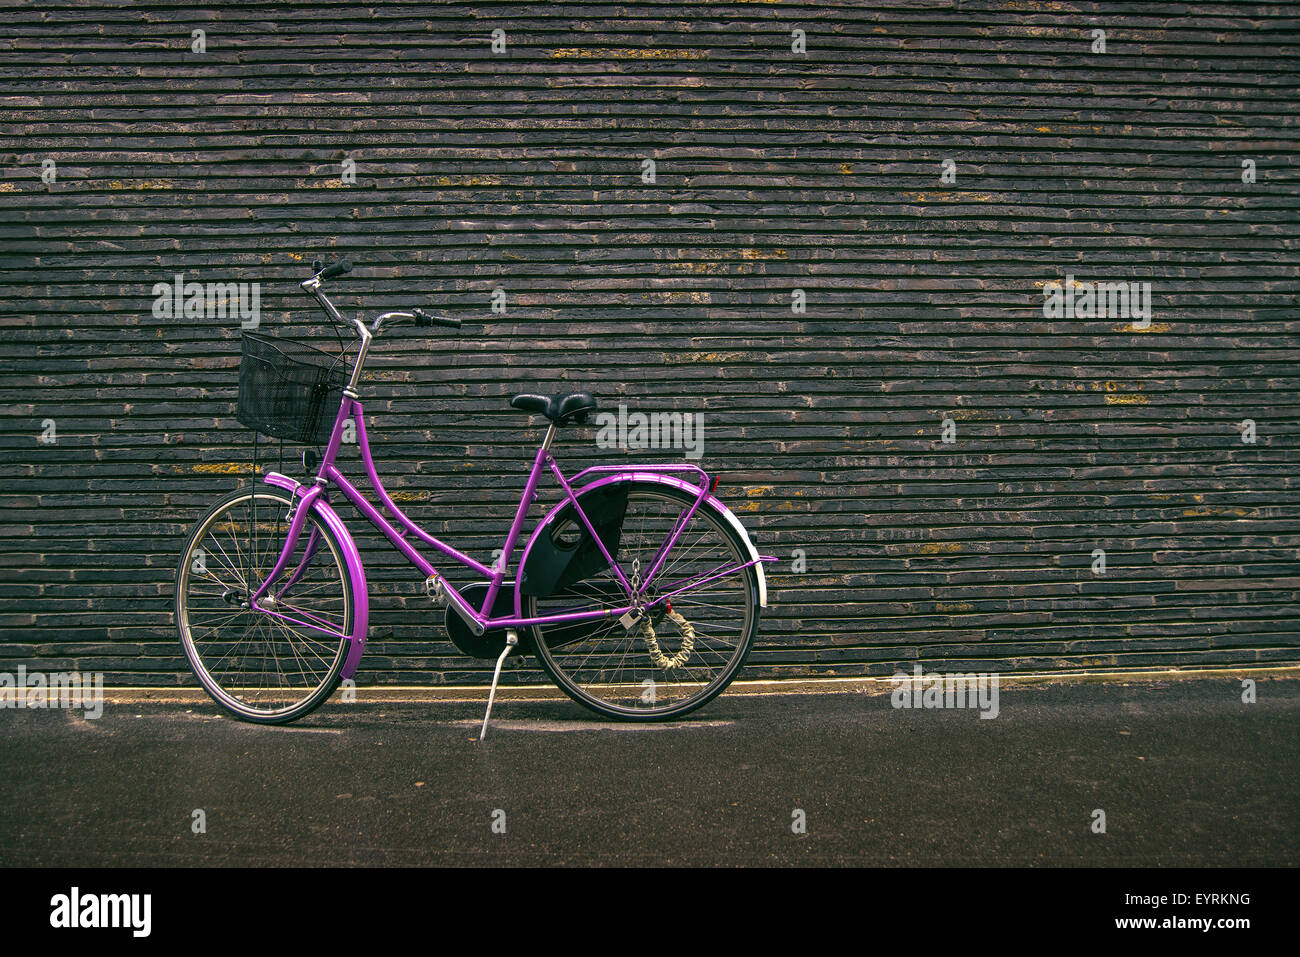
[550, 436]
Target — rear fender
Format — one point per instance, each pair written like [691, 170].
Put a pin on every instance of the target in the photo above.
[351, 559]
[663, 479]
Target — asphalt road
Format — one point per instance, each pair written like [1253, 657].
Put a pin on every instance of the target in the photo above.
[1186, 773]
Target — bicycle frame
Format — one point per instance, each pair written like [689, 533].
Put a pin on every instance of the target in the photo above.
[306, 498]
[478, 620]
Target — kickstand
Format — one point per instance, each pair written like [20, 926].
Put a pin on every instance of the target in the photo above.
[512, 639]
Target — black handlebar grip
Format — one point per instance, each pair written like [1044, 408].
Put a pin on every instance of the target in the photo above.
[336, 269]
[422, 318]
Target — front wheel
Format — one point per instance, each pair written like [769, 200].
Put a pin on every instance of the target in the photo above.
[265, 668]
[685, 649]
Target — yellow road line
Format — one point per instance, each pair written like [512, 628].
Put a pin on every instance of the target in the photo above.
[784, 686]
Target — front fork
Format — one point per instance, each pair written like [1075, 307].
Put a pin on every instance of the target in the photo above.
[314, 538]
[299, 508]
[315, 500]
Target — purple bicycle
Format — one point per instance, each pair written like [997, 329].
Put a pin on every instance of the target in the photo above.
[639, 593]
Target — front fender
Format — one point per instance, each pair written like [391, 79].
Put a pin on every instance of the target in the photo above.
[664, 479]
[351, 558]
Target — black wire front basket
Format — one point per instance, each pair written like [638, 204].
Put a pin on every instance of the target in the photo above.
[288, 390]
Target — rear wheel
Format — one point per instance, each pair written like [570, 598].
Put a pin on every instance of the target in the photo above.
[260, 667]
[682, 652]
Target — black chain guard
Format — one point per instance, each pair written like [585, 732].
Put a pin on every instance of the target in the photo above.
[489, 644]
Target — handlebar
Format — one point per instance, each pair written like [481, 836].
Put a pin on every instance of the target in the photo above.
[366, 334]
[417, 317]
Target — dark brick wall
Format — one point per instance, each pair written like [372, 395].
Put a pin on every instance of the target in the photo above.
[776, 171]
